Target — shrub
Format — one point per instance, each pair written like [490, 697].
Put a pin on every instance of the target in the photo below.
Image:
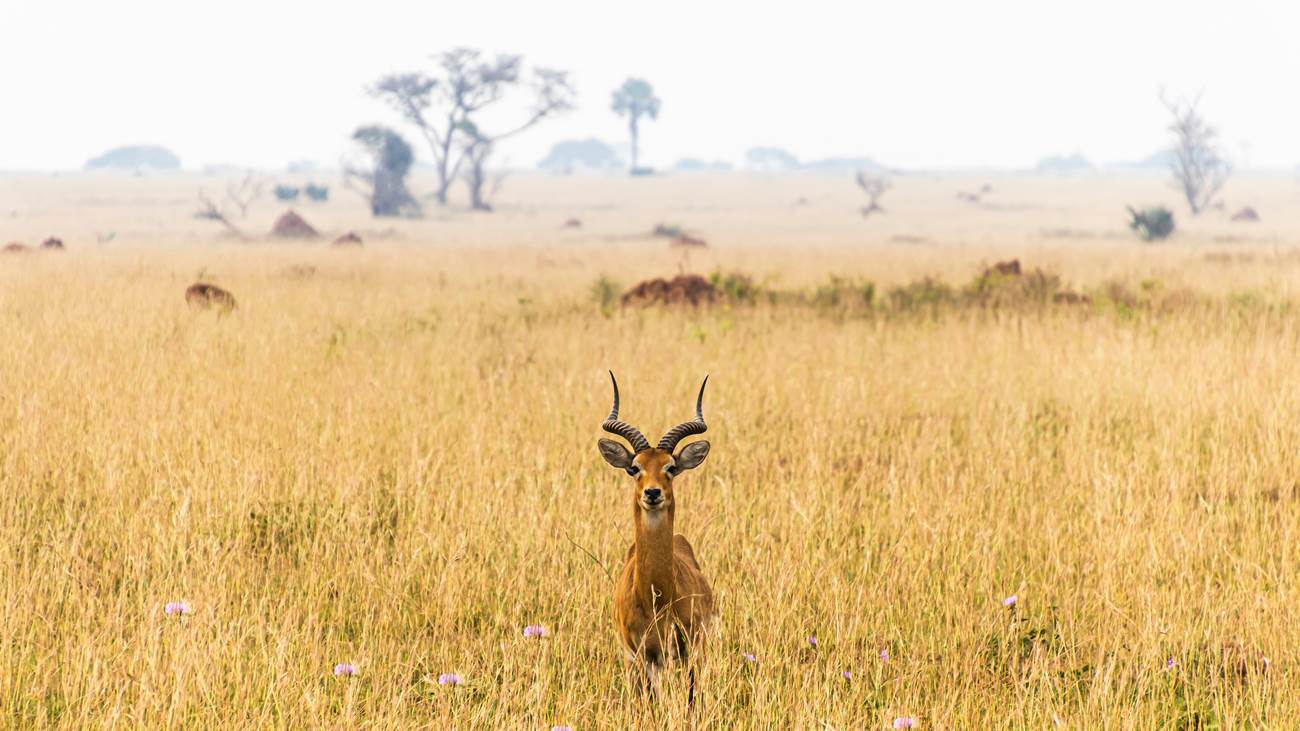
[667, 230]
[735, 286]
[844, 293]
[318, 193]
[926, 292]
[286, 193]
[1116, 294]
[605, 292]
[1152, 224]
[1000, 286]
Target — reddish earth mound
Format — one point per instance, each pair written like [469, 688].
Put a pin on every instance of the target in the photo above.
[1245, 214]
[1005, 268]
[348, 239]
[688, 240]
[13, 247]
[203, 296]
[292, 226]
[682, 289]
[52, 243]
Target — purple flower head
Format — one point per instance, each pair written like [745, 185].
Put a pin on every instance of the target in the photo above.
[904, 722]
[561, 728]
[812, 640]
[884, 655]
[177, 608]
[1170, 664]
[345, 669]
[749, 657]
[847, 675]
[449, 679]
[1010, 602]
[535, 630]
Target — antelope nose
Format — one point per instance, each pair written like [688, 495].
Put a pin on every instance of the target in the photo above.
[653, 494]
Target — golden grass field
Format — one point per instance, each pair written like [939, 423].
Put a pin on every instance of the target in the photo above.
[387, 457]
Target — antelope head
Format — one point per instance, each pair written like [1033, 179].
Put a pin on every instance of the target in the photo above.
[653, 468]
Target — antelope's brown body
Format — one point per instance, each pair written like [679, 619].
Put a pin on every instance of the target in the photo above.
[662, 602]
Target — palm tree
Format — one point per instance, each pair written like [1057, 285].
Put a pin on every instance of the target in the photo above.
[636, 97]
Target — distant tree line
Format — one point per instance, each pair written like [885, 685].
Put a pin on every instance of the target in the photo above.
[457, 107]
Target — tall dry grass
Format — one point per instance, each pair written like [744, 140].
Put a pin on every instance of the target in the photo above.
[391, 462]
[393, 467]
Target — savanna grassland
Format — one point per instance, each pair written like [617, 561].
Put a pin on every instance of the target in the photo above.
[387, 457]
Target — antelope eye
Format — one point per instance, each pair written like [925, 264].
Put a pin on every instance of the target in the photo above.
[672, 470]
[634, 470]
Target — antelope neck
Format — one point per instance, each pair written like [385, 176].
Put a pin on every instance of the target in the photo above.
[653, 555]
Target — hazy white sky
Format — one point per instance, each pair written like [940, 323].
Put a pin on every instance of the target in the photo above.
[912, 83]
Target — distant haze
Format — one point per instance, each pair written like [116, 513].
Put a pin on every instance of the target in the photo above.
[910, 84]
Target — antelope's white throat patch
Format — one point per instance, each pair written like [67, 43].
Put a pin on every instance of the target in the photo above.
[651, 518]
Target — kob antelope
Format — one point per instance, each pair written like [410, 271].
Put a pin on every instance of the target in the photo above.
[662, 602]
[204, 296]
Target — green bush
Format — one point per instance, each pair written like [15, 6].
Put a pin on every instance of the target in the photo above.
[845, 293]
[995, 289]
[1152, 224]
[736, 287]
[286, 193]
[927, 292]
[605, 292]
[318, 193]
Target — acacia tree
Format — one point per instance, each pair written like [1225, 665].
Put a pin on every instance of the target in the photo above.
[874, 187]
[383, 180]
[1198, 166]
[440, 104]
[551, 92]
[635, 99]
[482, 186]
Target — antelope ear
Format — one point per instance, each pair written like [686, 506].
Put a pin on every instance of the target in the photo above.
[615, 454]
[692, 455]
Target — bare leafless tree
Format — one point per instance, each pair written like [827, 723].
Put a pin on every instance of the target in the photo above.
[874, 186]
[1198, 166]
[209, 211]
[244, 193]
[440, 105]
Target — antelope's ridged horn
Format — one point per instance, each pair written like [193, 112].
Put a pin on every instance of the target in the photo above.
[686, 429]
[622, 428]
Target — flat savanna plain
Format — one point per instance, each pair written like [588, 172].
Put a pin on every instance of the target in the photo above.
[387, 456]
